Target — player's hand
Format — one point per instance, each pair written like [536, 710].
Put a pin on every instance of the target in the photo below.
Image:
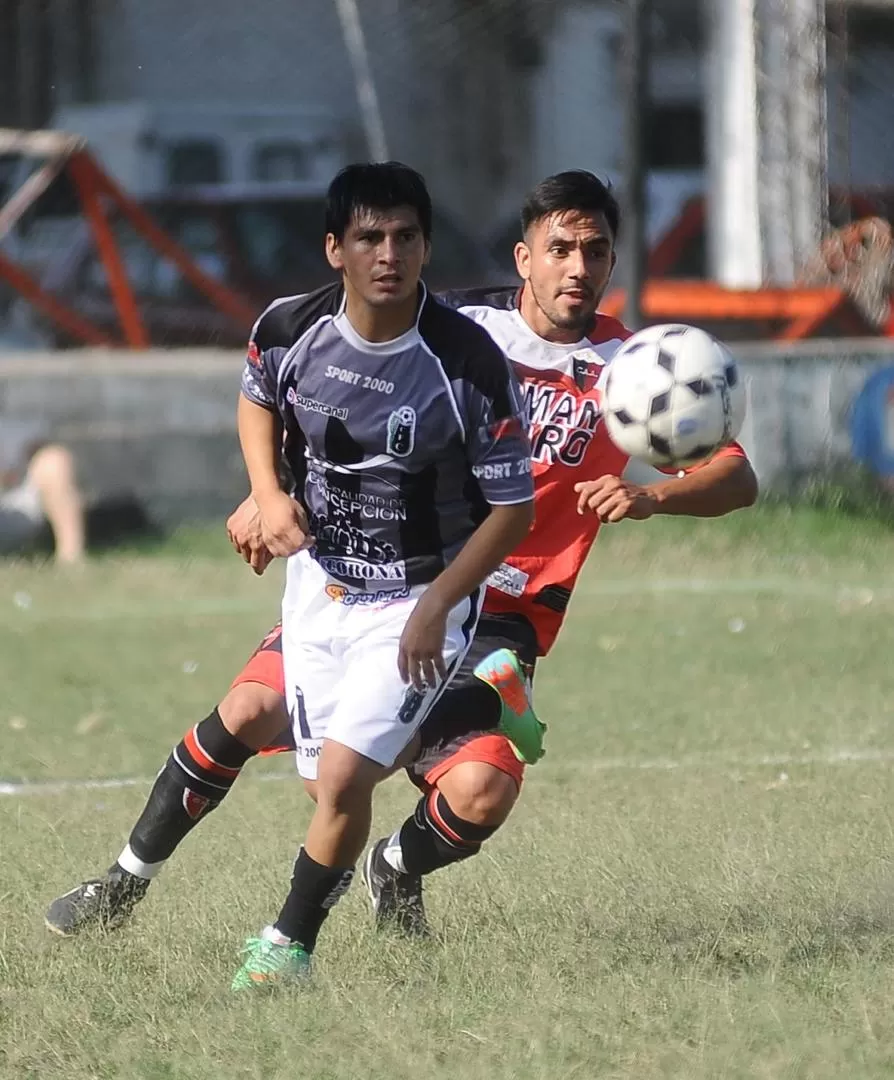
[612, 499]
[420, 656]
[284, 527]
[244, 531]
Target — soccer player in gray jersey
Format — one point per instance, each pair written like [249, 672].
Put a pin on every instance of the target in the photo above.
[469, 766]
[405, 433]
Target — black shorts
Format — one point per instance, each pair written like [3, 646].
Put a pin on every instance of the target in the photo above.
[469, 708]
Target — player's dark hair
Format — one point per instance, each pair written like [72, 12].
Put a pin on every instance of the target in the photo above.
[575, 189]
[376, 186]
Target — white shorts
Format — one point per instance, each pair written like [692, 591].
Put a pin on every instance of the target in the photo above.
[339, 650]
[21, 517]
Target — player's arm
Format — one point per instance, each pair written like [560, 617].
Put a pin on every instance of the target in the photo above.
[724, 483]
[259, 421]
[422, 643]
[260, 436]
[500, 457]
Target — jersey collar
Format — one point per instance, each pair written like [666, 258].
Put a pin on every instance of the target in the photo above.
[380, 348]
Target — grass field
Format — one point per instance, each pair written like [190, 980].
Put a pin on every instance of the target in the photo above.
[697, 883]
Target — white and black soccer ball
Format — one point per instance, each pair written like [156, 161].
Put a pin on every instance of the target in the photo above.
[673, 396]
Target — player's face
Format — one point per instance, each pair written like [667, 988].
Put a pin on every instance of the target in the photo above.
[567, 260]
[381, 255]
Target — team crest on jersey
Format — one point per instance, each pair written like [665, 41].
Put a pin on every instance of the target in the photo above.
[401, 432]
[586, 364]
[254, 354]
[336, 592]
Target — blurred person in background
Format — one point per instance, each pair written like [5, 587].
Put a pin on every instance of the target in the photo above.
[38, 487]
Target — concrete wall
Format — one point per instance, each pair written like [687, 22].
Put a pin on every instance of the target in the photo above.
[161, 425]
[157, 425]
[799, 404]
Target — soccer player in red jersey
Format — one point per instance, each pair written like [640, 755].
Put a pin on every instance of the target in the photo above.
[468, 769]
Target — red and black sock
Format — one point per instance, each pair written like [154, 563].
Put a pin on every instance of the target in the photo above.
[434, 836]
[197, 776]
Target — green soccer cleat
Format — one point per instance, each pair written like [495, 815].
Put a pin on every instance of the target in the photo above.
[268, 965]
[502, 671]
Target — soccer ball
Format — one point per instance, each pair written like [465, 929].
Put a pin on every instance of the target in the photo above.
[673, 396]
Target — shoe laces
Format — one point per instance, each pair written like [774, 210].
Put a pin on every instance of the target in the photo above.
[407, 888]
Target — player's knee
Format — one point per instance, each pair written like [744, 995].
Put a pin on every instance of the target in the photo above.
[345, 780]
[478, 792]
[253, 713]
[342, 797]
[52, 467]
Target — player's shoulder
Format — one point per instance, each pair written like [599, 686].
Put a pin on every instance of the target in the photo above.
[463, 347]
[492, 312]
[607, 329]
[288, 318]
[499, 298]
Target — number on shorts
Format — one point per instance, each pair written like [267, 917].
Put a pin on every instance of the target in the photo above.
[301, 714]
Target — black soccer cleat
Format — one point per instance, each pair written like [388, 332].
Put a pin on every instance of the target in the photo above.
[396, 898]
[104, 903]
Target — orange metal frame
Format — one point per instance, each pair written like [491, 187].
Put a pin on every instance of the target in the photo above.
[96, 190]
[802, 311]
[667, 251]
[60, 313]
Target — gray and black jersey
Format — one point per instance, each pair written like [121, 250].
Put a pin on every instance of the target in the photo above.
[399, 448]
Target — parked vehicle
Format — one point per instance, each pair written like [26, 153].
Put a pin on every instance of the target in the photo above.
[262, 242]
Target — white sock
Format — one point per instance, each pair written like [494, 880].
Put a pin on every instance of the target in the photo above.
[129, 862]
[270, 933]
[393, 855]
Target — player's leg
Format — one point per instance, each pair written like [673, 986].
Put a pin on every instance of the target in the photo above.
[200, 772]
[470, 772]
[353, 719]
[324, 868]
[197, 776]
[51, 473]
[465, 799]
[312, 676]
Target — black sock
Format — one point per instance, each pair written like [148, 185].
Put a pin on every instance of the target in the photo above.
[434, 836]
[315, 890]
[202, 768]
